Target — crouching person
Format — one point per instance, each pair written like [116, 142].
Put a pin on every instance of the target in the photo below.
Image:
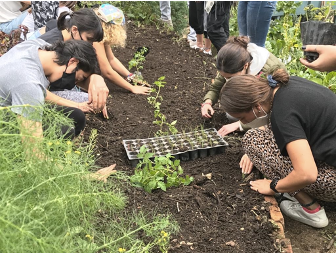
[31, 67]
[297, 150]
[26, 72]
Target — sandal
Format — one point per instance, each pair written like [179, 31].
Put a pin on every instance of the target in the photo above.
[198, 48]
[205, 51]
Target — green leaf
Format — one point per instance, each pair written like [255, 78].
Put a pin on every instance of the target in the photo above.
[162, 186]
[152, 184]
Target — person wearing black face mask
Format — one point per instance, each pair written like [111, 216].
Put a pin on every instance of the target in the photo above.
[61, 64]
[68, 81]
[23, 90]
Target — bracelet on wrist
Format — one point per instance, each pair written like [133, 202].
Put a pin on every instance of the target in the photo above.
[129, 77]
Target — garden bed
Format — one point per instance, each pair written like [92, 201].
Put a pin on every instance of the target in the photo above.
[220, 214]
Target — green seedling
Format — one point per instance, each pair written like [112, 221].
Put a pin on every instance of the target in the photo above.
[160, 174]
[160, 118]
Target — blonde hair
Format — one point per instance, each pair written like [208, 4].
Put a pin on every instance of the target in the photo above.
[114, 35]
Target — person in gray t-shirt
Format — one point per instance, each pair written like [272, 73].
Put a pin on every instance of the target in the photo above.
[30, 67]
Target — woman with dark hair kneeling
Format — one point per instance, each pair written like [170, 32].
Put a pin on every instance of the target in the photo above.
[296, 151]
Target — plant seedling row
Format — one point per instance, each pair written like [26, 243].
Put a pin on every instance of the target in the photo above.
[183, 146]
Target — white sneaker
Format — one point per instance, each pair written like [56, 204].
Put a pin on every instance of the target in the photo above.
[295, 211]
[284, 196]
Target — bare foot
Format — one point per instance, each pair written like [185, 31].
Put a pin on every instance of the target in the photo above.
[103, 173]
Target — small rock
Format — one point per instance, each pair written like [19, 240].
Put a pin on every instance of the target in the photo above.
[231, 243]
[188, 243]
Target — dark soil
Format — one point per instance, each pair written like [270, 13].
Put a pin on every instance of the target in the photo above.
[220, 214]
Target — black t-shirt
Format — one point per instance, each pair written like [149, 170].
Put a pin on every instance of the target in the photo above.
[52, 36]
[51, 24]
[306, 110]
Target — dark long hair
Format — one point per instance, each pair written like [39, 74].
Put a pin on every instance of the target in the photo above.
[86, 21]
[83, 51]
[232, 57]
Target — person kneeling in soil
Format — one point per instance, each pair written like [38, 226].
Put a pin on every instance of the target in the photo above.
[237, 57]
[43, 65]
[69, 27]
[296, 151]
[79, 25]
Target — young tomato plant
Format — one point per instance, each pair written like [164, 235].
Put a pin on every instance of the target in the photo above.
[160, 174]
[138, 59]
[160, 118]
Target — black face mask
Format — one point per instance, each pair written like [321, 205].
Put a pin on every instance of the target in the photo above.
[68, 81]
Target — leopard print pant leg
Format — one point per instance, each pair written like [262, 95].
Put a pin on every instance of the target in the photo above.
[261, 148]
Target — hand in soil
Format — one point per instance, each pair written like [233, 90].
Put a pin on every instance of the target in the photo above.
[205, 111]
[326, 60]
[105, 114]
[140, 82]
[141, 90]
[86, 107]
[98, 92]
[228, 128]
[103, 174]
[262, 186]
[246, 164]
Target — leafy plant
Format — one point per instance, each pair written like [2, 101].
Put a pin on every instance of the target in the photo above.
[325, 13]
[138, 59]
[160, 118]
[160, 174]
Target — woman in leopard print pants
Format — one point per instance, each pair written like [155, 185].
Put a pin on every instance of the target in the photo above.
[297, 150]
[260, 146]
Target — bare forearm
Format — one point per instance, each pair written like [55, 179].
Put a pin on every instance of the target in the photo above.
[119, 67]
[114, 77]
[59, 100]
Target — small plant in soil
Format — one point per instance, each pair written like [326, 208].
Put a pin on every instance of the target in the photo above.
[160, 174]
[138, 60]
[160, 118]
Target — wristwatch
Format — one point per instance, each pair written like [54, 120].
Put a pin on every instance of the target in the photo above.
[273, 184]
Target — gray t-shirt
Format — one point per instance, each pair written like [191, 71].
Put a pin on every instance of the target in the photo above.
[22, 79]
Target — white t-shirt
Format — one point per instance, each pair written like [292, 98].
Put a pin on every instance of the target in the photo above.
[62, 9]
[9, 10]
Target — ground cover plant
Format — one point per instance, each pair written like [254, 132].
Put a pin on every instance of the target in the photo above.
[50, 201]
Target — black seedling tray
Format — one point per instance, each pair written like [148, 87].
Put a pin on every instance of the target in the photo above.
[184, 146]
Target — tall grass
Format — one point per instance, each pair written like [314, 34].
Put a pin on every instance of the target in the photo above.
[52, 205]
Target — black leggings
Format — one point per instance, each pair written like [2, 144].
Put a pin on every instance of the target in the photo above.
[70, 131]
[196, 16]
[218, 23]
[76, 115]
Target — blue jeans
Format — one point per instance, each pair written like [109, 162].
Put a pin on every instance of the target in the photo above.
[13, 24]
[165, 10]
[254, 19]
